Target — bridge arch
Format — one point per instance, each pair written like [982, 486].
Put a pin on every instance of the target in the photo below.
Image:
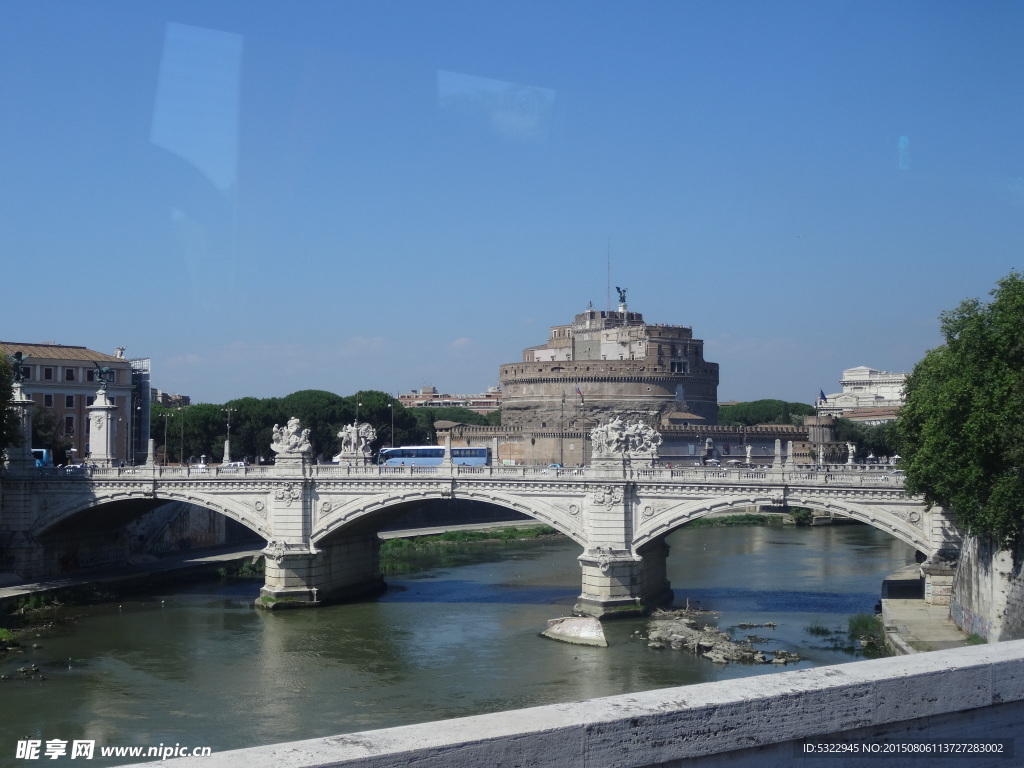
[336, 517]
[51, 516]
[659, 524]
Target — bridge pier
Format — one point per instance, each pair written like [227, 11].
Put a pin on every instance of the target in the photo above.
[618, 584]
[345, 569]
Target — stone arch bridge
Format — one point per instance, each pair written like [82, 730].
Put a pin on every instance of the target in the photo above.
[320, 521]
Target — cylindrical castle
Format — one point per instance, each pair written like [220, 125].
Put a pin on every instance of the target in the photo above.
[607, 363]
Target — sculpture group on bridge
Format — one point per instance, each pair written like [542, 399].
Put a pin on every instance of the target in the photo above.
[356, 440]
[291, 440]
[617, 437]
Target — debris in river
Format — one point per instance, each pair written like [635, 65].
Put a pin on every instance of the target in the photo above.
[680, 630]
[576, 629]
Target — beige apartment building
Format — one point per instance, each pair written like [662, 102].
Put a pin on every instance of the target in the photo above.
[62, 380]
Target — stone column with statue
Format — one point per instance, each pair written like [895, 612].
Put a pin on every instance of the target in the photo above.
[356, 444]
[617, 580]
[19, 457]
[299, 573]
[102, 419]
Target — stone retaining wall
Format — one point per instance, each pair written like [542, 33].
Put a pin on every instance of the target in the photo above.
[966, 694]
[988, 591]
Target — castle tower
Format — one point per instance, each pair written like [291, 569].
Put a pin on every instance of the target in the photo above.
[611, 363]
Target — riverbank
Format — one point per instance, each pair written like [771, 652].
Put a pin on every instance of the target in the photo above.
[96, 585]
[911, 625]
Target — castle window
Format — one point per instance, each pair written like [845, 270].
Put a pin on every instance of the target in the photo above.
[69, 425]
[48, 401]
[48, 374]
[69, 401]
[69, 374]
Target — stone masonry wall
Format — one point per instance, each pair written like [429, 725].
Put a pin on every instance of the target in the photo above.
[988, 591]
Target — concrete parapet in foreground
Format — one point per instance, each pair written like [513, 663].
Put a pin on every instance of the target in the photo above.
[968, 695]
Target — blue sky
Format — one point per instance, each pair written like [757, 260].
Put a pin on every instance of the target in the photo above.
[264, 197]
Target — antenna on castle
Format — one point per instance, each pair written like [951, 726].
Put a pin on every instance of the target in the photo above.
[609, 274]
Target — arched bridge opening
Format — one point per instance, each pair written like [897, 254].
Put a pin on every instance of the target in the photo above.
[907, 526]
[656, 539]
[100, 533]
[440, 513]
[432, 508]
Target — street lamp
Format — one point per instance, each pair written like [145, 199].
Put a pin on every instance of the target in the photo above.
[166, 417]
[227, 443]
[391, 440]
[357, 412]
[181, 457]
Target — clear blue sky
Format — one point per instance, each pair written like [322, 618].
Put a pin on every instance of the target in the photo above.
[264, 197]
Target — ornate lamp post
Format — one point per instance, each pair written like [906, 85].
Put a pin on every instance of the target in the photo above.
[166, 417]
[181, 457]
[227, 443]
[391, 439]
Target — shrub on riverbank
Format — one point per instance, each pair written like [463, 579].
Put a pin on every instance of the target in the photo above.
[801, 515]
[248, 569]
[864, 636]
[397, 555]
[511, 533]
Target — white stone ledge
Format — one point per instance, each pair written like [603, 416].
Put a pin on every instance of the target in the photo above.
[764, 714]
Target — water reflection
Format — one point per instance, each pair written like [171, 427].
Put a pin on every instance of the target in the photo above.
[201, 666]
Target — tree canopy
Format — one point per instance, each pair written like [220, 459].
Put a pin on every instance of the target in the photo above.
[879, 439]
[9, 434]
[763, 412]
[200, 430]
[961, 431]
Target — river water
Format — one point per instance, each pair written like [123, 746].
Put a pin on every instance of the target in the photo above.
[202, 667]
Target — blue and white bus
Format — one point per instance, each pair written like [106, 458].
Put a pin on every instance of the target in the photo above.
[432, 456]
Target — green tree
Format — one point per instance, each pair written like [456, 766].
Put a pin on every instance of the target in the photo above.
[9, 434]
[252, 427]
[323, 413]
[879, 439]
[48, 432]
[381, 410]
[961, 431]
[763, 412]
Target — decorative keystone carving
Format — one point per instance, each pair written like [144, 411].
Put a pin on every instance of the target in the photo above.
[608, 496]
[291, 441]
[288, 493]
[616, 438]
[275, 551]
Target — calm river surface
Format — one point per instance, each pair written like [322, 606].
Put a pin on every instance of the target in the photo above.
[202, 667]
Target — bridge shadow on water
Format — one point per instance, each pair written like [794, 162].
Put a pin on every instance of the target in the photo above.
[780, 601]
[466, 591]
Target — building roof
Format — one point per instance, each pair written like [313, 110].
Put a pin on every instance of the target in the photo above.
[59, 352]
[865, 414]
